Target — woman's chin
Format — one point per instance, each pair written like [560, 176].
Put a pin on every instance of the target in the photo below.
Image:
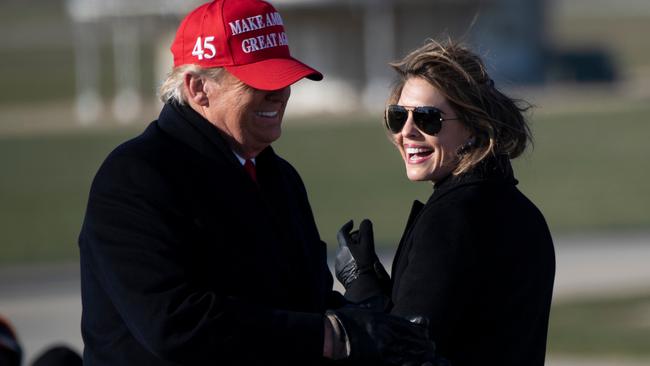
[416, 174]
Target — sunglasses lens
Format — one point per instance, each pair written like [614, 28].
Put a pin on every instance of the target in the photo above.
[396, 116]
[428, 119]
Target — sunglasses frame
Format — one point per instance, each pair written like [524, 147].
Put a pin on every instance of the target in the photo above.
[420, 114]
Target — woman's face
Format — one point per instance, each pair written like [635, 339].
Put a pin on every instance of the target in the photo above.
[426, 157]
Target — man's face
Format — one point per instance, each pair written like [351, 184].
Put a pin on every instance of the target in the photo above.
[250, 119]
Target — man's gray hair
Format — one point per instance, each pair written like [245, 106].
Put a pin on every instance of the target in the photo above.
[171, 89]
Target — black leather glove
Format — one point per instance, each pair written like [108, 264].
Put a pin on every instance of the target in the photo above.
[357, 266]
[383, 339]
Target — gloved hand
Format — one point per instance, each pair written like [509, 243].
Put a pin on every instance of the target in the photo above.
[357, 266]
[382, 339]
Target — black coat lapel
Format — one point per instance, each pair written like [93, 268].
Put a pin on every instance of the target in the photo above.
[415, 212]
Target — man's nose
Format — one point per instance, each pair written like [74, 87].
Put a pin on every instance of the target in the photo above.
[279, 95]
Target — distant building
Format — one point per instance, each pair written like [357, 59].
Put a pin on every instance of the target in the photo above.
[350, 41]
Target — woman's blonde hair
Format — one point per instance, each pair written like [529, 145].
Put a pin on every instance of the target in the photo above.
[171, 89]
[496, 121]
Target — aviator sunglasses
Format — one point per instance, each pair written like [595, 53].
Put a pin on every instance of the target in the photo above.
[427, 119]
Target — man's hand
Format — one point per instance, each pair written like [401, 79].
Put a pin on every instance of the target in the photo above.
[357, 266]
[383, 339]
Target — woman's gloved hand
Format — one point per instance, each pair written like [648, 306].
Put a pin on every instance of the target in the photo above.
[357, 266]
[376, 338]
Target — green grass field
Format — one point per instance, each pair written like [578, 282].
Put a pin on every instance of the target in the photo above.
[586, 172]
[601, 327]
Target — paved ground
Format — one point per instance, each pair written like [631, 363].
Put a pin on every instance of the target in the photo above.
[44, 303]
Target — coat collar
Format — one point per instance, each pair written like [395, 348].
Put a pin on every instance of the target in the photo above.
[185, 124]
[493, 169]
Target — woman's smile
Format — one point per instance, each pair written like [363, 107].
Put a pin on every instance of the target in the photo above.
[416, 154]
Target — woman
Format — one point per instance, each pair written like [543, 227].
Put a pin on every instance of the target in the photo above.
[477, 259]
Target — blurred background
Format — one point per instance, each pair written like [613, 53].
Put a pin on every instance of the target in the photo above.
[80, 76]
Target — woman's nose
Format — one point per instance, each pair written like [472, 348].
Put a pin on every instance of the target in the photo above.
[409, 129]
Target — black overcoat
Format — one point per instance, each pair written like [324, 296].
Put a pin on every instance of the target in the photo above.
[478, 260]
[185, 260]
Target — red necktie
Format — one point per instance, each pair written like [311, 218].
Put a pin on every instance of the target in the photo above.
[249, 166]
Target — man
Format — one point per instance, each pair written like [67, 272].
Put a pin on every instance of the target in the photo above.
[199, 245]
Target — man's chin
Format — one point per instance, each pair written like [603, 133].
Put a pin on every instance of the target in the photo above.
[272, 135]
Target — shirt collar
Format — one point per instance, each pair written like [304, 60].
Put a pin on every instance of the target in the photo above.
[242, 160]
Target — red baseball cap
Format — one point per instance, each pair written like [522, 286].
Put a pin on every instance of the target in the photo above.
[246, 37]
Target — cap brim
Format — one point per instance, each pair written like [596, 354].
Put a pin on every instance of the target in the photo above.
[273, 74]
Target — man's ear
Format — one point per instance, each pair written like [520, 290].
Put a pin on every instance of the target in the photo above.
[195, 89]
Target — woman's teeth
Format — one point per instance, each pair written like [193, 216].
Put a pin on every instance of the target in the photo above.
[268, 114]
[417, 150]
[417, 154]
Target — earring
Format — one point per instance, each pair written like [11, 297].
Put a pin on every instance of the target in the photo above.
[467, 146]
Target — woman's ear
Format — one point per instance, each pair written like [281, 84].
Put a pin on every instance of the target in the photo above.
[195, 89]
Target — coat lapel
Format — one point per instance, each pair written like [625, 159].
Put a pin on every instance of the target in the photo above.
[416, 208]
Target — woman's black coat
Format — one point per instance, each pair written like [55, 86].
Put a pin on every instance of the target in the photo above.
[477, 259]
[184, 260]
